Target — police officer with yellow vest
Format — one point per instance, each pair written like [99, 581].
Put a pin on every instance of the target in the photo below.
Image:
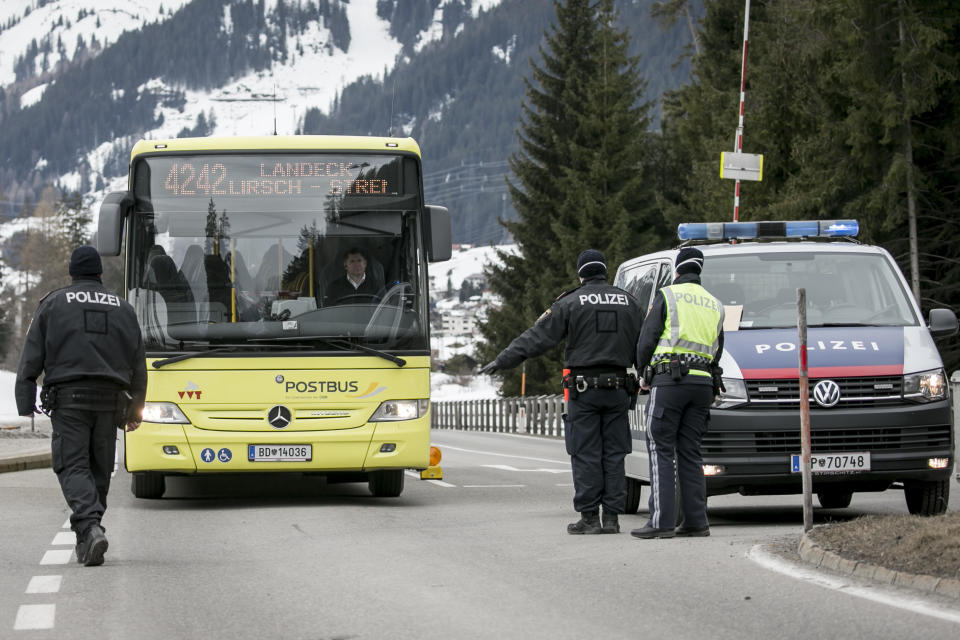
[601, 324]
[682, 340]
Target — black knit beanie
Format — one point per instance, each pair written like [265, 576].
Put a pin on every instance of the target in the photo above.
[591, 263]
[689, 260]
[85, 261]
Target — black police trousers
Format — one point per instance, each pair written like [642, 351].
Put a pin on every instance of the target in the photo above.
[677, 419]
[83, 449]
[597, 435]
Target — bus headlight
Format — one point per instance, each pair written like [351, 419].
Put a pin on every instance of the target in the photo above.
[925, 386]
[735, 394]
[393, 410]
[164, 413]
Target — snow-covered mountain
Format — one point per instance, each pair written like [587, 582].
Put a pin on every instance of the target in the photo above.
[262, 102]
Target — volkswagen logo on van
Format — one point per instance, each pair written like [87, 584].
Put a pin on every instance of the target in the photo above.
[279, 417]
[826, 393]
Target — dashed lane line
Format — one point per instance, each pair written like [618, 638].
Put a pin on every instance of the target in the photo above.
[44, 584]
[35, 616]
[491, 486]
[506, 467]
[64, 537]
[505, 455]
[56, 556]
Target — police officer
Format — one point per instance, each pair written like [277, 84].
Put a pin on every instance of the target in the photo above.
[682, 340]
[601, 324]
[87, 344]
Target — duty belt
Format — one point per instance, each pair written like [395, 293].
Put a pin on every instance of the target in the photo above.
[699, 363]
[600, 381]
[86, 398]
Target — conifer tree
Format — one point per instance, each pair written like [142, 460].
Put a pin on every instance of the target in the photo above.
[579, 177]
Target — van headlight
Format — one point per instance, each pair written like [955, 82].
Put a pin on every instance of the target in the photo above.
[393, 410]
[163, 413]
[925, 386]
[734, 396]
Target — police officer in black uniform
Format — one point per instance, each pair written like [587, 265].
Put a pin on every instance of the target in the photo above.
[601, 324]
[679, 349]
[86, 342]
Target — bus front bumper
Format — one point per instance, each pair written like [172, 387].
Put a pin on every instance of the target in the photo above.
[185, 449]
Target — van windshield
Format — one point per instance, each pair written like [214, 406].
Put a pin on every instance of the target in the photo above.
[842, 288]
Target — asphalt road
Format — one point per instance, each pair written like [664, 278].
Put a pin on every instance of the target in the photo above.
[483, 554]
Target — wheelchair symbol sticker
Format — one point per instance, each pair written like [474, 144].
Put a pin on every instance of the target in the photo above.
[224, 455]
[207, 455]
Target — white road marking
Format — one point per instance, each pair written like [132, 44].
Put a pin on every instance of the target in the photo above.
[57, 556]
[506, 467]
[505, 455]
[564, 484]
[66, 525]
[64, 537]
[491, 486]
[35, 616]
[44, 584]
[838, 583]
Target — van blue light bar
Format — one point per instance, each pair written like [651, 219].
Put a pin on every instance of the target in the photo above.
[777, 229]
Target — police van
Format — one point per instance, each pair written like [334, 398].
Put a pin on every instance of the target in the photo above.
[880, 408]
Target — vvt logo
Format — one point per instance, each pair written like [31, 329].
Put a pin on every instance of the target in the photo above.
[826, 393]
[279, 417]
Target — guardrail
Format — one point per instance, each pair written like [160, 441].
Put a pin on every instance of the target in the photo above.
[541, 415]
[536, 415]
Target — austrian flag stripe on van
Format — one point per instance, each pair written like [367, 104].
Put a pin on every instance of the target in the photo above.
[832, 352]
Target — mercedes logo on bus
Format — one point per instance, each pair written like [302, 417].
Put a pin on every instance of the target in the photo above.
[279, 417]
[826, 393]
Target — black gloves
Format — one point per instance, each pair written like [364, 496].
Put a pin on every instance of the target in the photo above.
[490, 367]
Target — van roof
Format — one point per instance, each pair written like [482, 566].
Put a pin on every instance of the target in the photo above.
[726, 248]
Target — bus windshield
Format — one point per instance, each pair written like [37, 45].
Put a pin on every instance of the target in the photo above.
[250, 250]
[843, 289]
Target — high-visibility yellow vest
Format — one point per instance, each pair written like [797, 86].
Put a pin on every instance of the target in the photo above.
[693, 324]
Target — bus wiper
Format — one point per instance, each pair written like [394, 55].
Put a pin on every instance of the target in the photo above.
[343, 344]
[202, 354]
[193, 354]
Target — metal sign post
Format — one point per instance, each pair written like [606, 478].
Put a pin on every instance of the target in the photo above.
[804, 384]
[738, 165]
[738, 147]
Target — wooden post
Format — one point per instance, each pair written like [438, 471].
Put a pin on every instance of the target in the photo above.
[804, 384]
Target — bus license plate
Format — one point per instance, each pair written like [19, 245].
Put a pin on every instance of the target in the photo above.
[834, 462]
[280, 452]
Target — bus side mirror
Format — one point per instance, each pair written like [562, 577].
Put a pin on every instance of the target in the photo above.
[439, 236]
[943, 323]
[110, 224]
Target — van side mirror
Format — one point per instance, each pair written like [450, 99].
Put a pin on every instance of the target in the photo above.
[439, 235]
[943, 323]
[113, 210]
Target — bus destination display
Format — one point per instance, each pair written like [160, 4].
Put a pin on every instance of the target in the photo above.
[266, 177]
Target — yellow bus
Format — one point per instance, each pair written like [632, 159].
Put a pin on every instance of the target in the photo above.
[281, 286]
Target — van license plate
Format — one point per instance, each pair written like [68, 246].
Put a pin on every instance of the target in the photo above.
[280, 453]
[834, 462]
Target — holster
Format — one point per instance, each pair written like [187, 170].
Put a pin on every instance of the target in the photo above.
[678, 367]
[48, 399]
[717, 374]
[633, 389]
[570, 387]
[648, 374]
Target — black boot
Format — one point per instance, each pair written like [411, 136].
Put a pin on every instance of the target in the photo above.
[610, 523]
[94, 546]
[589, 524]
